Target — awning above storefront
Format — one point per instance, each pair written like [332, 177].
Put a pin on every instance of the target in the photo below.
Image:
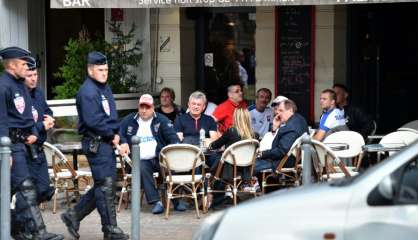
[203, 3]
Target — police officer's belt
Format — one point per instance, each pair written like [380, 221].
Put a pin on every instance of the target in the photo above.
[105, 139]
[19, 135]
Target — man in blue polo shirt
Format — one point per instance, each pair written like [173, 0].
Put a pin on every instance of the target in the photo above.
[332, 118]
[188, 125]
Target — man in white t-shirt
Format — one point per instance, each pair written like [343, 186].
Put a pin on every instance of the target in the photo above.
[261, 113]
[332, 118]
[155, 131]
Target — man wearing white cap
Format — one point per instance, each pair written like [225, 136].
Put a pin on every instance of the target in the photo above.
[155, 131]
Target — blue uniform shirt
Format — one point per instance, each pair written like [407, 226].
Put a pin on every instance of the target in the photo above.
[16, 101]
[4, 130]
[39, 109]
[190, 127]
[96, 109]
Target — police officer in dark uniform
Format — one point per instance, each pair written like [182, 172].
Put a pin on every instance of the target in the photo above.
[98, 123]
[23, 134]
[42, 115]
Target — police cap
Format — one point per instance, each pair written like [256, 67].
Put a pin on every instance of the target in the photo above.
[96, 58]
[13, 52]
[31, 62]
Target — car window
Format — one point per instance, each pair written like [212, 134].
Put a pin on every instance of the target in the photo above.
[408, 184]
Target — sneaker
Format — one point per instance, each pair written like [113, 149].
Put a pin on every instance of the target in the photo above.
[247, 188]
[180, 206]
[256, 186]
[158, 208]
[228, 192]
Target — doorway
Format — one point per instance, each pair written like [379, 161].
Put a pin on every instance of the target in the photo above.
[61, 25]
[383, 62]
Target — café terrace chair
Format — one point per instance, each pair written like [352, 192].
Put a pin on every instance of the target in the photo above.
[411, 125]
[408, 129]
[354, 142]
[240, 154]
[63, 175]
[326, 162]
[399, 137]
[282, 176]
[177, 161]
[126, 180]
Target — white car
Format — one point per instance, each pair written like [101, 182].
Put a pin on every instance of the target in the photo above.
[381, 203]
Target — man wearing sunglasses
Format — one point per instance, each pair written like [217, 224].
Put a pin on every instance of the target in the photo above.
[223, 114]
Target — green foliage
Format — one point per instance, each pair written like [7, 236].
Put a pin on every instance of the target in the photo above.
[73, 71]
[1, 67]
[123, 55]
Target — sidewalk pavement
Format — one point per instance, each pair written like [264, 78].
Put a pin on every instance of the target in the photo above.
[179, 226]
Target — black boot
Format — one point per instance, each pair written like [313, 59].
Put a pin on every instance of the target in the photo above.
[111, 231]
[72, 218]
[19, 226]
[27, 189]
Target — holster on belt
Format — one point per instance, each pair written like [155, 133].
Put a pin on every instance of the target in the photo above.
[18, 135]
[94, 142]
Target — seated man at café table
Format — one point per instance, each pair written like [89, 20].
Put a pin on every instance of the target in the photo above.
[188, 125]
[155, 131]
[261, 113]
[223, 114]
[292, 126]
[356, 119]
[332, 119]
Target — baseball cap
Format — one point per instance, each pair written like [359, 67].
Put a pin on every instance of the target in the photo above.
[278, 100]
[146, 99]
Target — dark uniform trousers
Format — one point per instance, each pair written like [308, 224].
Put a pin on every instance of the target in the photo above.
[103, 167]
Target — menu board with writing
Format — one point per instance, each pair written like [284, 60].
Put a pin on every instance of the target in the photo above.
[295, 56]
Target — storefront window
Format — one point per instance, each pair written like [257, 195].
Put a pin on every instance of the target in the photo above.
[230, 40]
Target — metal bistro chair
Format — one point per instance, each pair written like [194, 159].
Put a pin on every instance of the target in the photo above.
[408, 129]
[240, 154]
[355, 143]
[183, 158]
[399, 137]
[63, 175]
[324, 159]
[291, 175]
[126, 178]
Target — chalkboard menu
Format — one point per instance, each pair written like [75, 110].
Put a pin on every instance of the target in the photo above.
[295, 56]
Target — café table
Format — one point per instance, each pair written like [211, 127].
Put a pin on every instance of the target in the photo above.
[383, 147]
[337, 146]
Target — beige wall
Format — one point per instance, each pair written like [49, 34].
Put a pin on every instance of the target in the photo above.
[169, 69]
[188, 56]
[330, 49]
[265, 45]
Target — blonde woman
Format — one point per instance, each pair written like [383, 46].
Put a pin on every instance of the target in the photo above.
[240, 130]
